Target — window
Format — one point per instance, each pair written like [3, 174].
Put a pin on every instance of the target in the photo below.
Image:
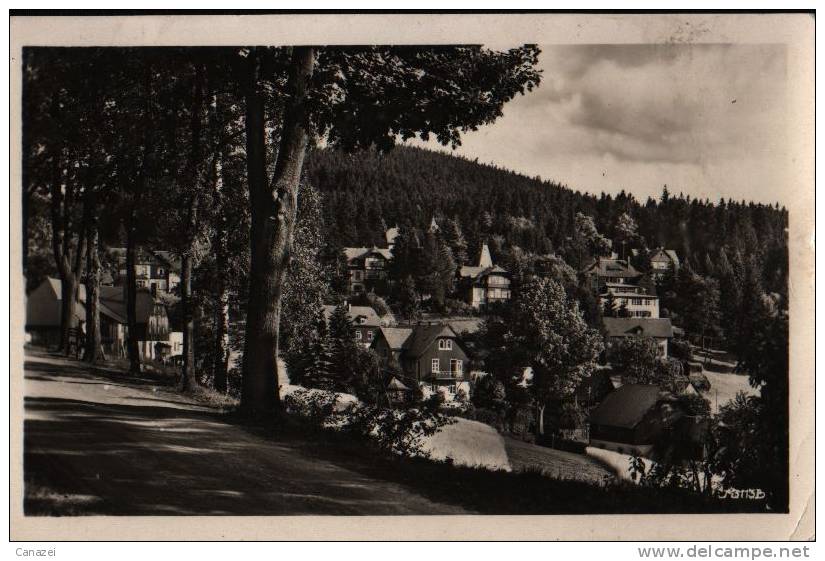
[434, 365]
[456, 366]
[357, 335]
[358, 275]
[637, 302]
[160, 272]
[369, 335]
[445, 344]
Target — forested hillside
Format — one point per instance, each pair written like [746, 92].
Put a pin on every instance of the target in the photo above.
[368, 191]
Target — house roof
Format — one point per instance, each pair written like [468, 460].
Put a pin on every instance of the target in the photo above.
[359, 252]
[370, 318]
[477, 273]
[391, 234]
[396, 384]
[626, 406]
[665, 255]
[112, 301]
[605, 267]
[640, 327]
[470, 325]
[396, 336]
[144, 256]
[424, 335]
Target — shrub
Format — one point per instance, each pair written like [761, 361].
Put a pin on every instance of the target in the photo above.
[315, 406]
[680, 350]
[396, 431]
[458, 307]
[490, 417]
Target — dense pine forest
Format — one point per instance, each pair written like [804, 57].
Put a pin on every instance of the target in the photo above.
[366, 192]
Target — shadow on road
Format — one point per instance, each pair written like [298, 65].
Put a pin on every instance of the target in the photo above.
[129, 453]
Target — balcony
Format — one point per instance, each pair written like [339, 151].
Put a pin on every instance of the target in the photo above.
[447, 375]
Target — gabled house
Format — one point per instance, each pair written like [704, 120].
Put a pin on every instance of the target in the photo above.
[634, 298]
[630, 419]
[43, 307]
[660, 329]
[365, 323]
[603, 271]
[367, 268]
[158, 271]
[430, 354]
[662, 261]
[484, 284]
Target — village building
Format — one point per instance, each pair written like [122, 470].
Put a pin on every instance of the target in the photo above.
[367, 268]
[158, 271]
[603, 271]
[631, 419]
[365, 323]
[659, 329]
[155, 340]
[429, 354]
[634, 298]
[485, 283]
[662, 261]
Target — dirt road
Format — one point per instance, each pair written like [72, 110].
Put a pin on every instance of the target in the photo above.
[103, 442]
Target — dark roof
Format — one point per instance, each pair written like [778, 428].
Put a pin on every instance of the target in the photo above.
[626, 406]
[665, 255]
[353, 253]
[423, 336]
[477, 273]
[640, 327]
[397, 385]
[143, 256]
[368, 316]
[604, 267]
[396, 336]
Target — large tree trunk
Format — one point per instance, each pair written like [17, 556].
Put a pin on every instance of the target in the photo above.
[274, 209]
[220, 366]
[540, 419]
[93, 353]
[68, 309]
[221, 363]
[61, 246]
[132, 349]
[188, 378]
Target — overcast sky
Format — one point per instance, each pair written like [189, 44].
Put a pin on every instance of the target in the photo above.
[707, 120]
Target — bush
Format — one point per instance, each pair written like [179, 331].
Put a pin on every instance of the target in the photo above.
[398, 431]
[315, 406]
[458, 307]
[680, 350]
[490, 417]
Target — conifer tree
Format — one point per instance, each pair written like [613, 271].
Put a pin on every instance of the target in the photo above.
[319, 372]
[454, 237]
[609, 306]
[343, 350]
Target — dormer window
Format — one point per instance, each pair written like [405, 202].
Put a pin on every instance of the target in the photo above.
[445, 344]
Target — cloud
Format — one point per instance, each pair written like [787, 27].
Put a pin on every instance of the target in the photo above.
[607, 117]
